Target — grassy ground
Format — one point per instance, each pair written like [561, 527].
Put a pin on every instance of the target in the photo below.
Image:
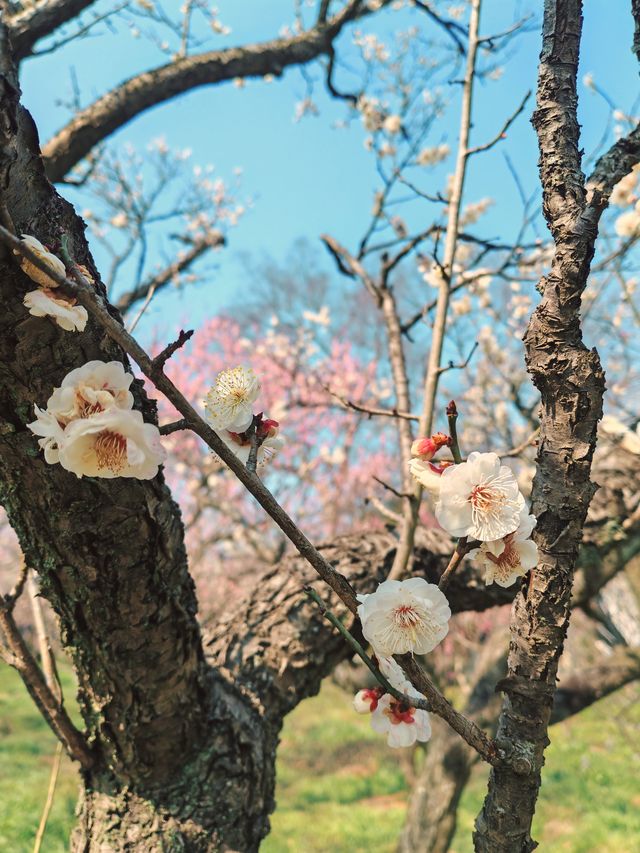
[341, 789]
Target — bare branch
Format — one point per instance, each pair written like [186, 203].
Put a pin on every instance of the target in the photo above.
[165, 276]
[139, 93]
[39, 20]
[22, 660]
[501, 134]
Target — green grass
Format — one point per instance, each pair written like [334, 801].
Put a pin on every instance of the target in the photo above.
[27, 749]
[341, 789]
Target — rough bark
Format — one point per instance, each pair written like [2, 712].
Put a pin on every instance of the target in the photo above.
[137, 94]
[571, 382]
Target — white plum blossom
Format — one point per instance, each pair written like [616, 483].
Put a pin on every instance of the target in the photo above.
[240, 444]
[46, 303]
[628, 224]
[479, 498]
[47, 425]
[404, 616]
[90, 389]
[402, 724]
[431, 156]
[91, 429]
[392, 124]
[510, 558]
[400, 721]
[229, 402]
[428, 475]
[49, 259]
[113, 443]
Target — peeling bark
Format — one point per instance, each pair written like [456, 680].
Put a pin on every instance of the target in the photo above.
[571, 383]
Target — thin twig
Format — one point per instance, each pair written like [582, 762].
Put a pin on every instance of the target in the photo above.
[501, 134]
[452, 417]
[174, 426]
[461, 364]
[432, 373]
[414, 702]
[390, 488]
[46, 811]
[161, 359]
[18, 587]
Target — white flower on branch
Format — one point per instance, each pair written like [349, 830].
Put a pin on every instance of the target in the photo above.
[400, 721]
[479, 498]
[392, 124]
[628, 224]
[510, 558]
[229, 403]
[51, 261]
[402, 724]
[240, 443]
[428, 474]
[90, 428]
[113, 443]
[62, 309]
[90, 389]
[404, 616]
[432, 156]
[47, 425]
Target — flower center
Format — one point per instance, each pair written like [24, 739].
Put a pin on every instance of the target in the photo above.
[85, 408]
[406, 616]
[485, 499]
[111, 450]
[507, 561]
[398, 712]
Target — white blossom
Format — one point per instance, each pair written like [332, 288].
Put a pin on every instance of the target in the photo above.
[402, 724]
[431, 156]
[241, 446]
[403, 616]
[479, 498]
[427, 474]
[229, 402]
[510, 558]
[392, 124]
[46, 303]
[628, 224]
[47, 425]
[90, 389]
[51, 261]
[113, 443]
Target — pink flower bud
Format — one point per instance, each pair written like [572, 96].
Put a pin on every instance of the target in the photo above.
[426, 448]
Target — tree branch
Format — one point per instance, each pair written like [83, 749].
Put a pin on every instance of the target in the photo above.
[161, 279]
[39, 20]
[139, 93]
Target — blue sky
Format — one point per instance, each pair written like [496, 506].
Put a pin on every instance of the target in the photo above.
[307, 177]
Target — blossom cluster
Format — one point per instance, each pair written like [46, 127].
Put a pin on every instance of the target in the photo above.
[47, 301]
[229, 410]
[90, 427]
[399, 617]
[479, 499]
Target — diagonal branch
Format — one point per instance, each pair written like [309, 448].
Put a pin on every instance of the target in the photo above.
[165, 276]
